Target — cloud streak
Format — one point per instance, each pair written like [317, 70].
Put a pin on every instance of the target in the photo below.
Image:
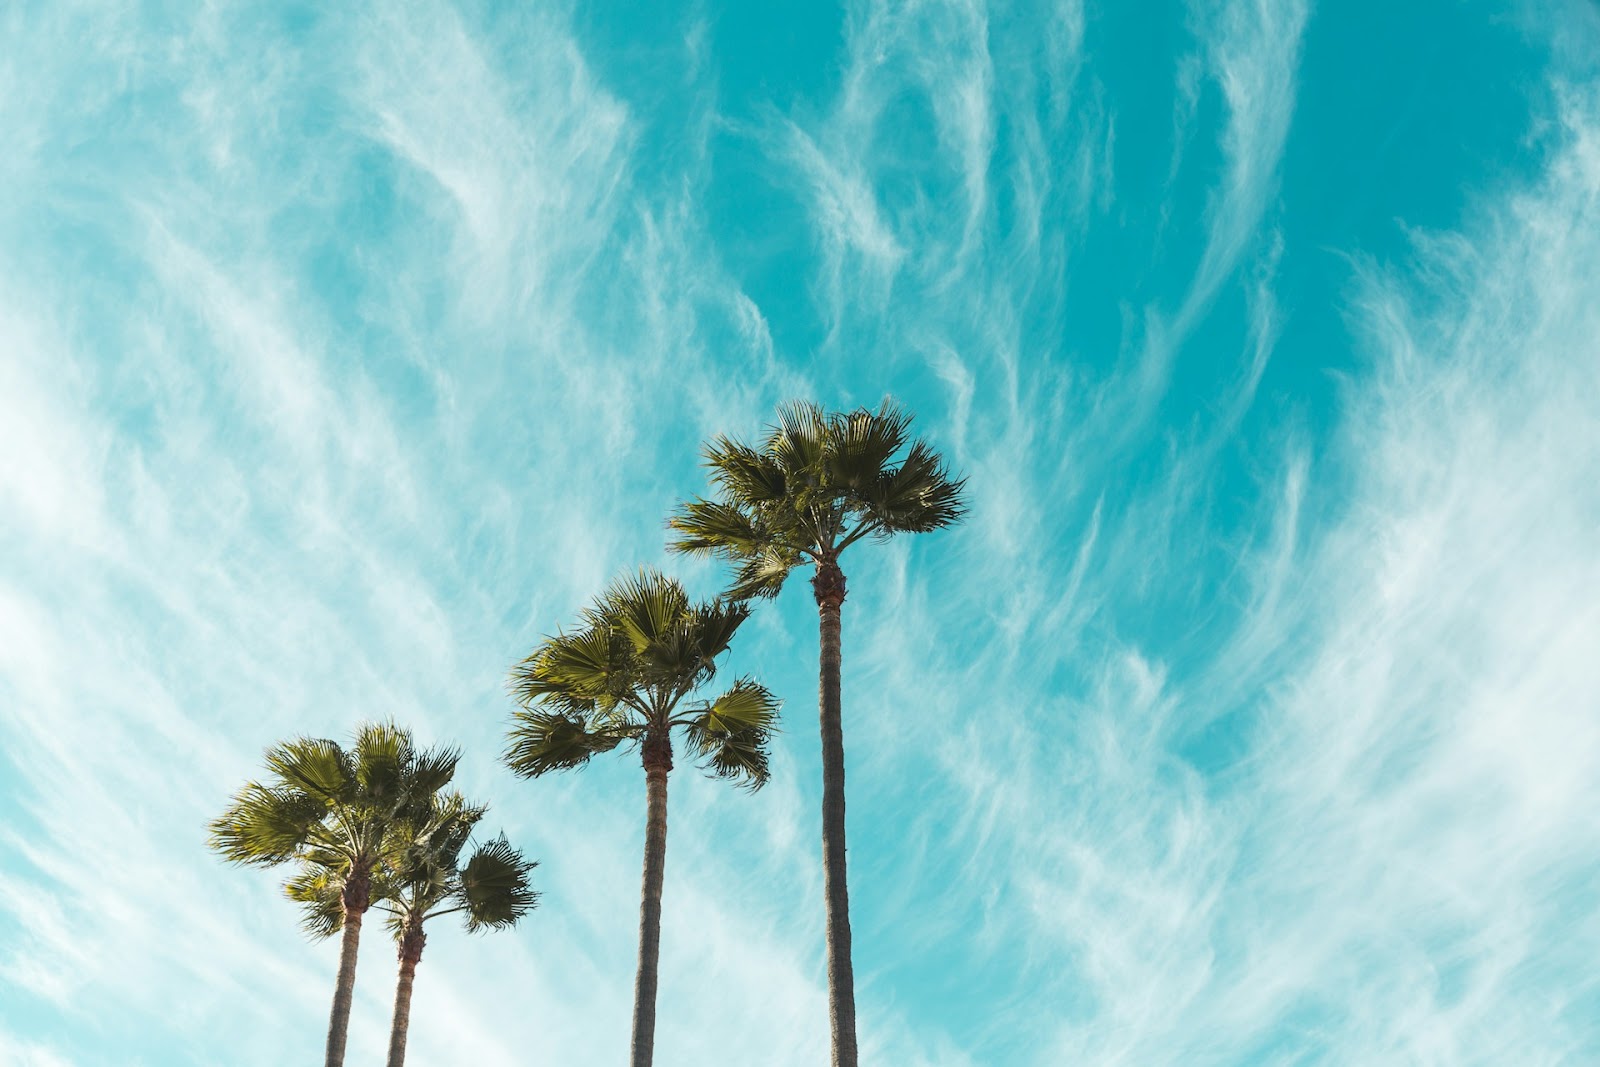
[347, 364]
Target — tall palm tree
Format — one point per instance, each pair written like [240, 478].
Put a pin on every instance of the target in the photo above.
[425, 879]
[626, 675]
[338, 814]
[820, 482]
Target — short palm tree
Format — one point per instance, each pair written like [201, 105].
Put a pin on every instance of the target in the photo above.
[626, 675]
[425, 879]
[339, 815]
[820, 482]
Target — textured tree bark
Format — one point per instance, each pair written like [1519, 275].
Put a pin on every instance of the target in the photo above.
[410, 955]
[657, 762]
[356, 897]
[829, 587]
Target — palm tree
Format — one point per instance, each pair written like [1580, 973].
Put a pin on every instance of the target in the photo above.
[338, 814]
[625, 675]
[820, 482]
[425, 879]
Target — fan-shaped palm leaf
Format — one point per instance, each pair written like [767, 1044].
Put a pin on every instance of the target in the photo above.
[494, 883]
[730, 734]
[544, 741]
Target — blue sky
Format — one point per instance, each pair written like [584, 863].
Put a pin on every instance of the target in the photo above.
[1251, 718]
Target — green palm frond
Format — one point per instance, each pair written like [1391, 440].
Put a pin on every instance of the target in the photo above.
[423, 870]
[762, 574]
[580, 667]
[745, 476]
[494, 886]
[544, 741]
[918, 496]
[798, 442]
[434, 841]
[763, 556]
[711, 627]
[730, 734]
[320, 894]
[843, 476]
[315, 765]
[711, 527]
[747, 705]
[672, 663]
[648, 607]
[862, 443]
[266, 826]
[431, 770]
[382, 754]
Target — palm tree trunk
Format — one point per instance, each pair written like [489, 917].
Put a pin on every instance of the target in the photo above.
[657, 762]
[829, 588]
[356, 897]
[410, 955]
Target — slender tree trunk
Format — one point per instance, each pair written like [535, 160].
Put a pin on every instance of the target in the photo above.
[657, 762]
[356, 897]
[829, 588]
[410, 955]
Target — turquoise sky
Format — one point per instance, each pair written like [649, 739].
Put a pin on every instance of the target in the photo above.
[1252, 718]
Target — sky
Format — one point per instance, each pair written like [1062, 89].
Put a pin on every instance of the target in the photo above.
[1251, 717]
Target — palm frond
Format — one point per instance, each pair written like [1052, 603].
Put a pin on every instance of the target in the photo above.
[716, 527]
[646, 607]
[798, 441]
[315, 766]
[862, 443]
[320, 894]
[918, 496]
[730, 734]
[744, 476]
[544, 741]
[382, 754]
[672, 663]
[432, 769]
[265, 826]
[421, 869]
[433, 841]
[578, 669]
[710, 627]
[762, 575]
[494, 886]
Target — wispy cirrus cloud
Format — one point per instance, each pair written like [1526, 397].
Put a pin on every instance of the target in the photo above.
[1250, 53]
[283, 482]
[1382, 854]
[345, 363]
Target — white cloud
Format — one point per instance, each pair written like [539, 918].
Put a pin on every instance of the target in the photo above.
[1390, 865]
[254, 500]
[1253, 54]
[284, 500]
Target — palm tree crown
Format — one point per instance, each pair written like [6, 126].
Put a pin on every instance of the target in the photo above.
[820, 482]
[490, 891]
[334, 811]
[339, 815]
[624, 676]
[423, 877]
